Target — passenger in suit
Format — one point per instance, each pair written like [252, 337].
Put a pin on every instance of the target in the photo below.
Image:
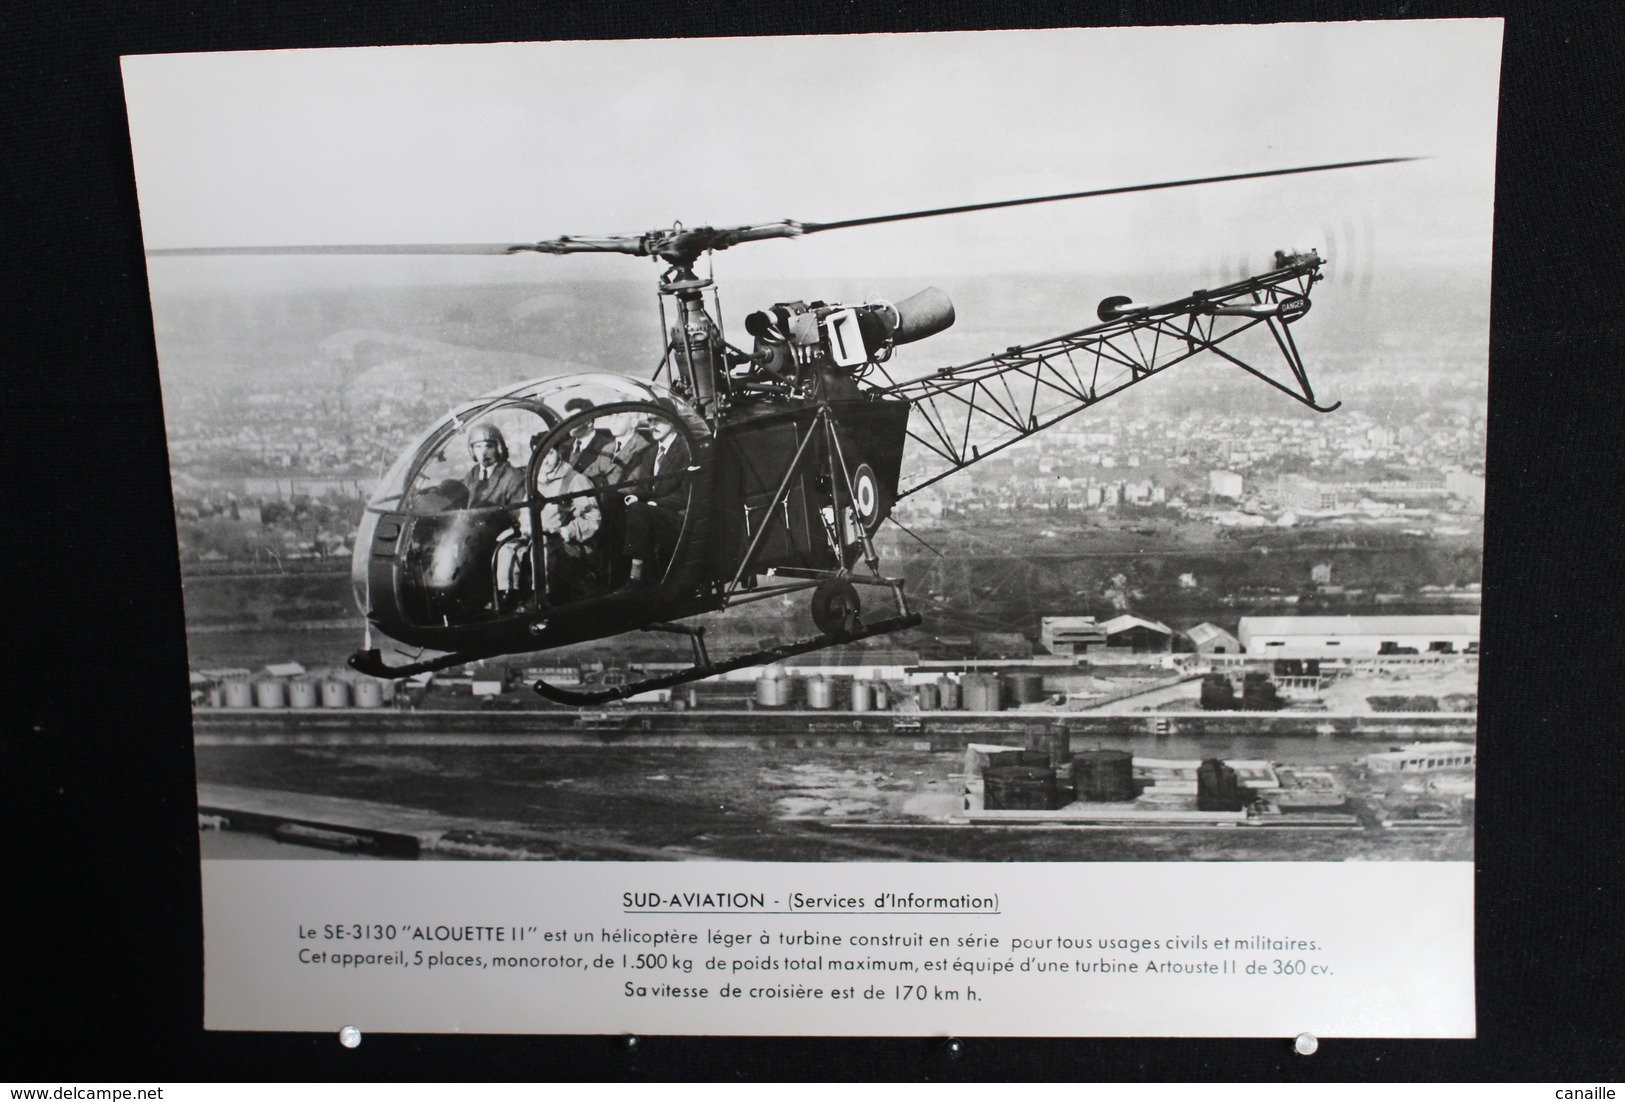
[585, 450]
[654, 513]
[628, 454]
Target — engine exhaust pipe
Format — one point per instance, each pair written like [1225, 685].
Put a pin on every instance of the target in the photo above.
[920, 316]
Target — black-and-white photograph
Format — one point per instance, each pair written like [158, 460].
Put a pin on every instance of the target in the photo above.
[1039, 446]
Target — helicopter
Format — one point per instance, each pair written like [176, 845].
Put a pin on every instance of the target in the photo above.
[581, 507]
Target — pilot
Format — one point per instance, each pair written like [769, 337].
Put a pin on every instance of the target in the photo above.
[492, 480]
[654, 513]
[569, 524]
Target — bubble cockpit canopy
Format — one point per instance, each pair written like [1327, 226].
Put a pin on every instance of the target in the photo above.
[421, 479]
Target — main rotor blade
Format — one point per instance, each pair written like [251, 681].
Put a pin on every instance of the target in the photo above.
[681, 246]
[815, 227]
[344, 250]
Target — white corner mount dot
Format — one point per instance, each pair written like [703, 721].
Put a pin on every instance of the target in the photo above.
[1305, 1044]
[349, 1036]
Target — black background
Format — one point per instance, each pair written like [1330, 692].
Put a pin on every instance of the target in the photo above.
[103, 965]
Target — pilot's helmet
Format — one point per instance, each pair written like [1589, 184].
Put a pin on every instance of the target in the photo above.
[488, 431]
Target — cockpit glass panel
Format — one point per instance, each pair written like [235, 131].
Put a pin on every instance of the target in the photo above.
[442, 454]
[541, 496]
[612, 483]
[480, 462]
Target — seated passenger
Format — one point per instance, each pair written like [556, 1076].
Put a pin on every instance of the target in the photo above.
[569, 523]
[622, 452]
[492, 480]
[588, 443]
[628, 451]
[654, 513]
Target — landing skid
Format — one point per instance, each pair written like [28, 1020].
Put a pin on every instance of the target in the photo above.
[371, 663]
[703, 666]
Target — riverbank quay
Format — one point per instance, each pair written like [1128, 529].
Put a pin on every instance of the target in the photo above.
[944, 731]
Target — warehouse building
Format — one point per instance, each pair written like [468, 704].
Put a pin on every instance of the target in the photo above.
[1425, 757]
[1212, 639]
[1357, 636]
[1070, 634]
[1306, 494]
[1137, 635]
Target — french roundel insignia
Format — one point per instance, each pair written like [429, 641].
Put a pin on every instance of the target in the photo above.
[866, 496]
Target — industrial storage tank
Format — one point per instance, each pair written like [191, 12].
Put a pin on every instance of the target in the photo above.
[1055, 741]
[863, 696]
[882, 696]
[301, 694]
[335, 694]
[1104, 776]
[1018, 788]
[927, 697]
[270, 694]
[1217, 788]
[773, 688]
[981, 692]
[998, 759]
[1023, 688]
[948, 693]
[820, 693]
[239, 694]
[368, 694]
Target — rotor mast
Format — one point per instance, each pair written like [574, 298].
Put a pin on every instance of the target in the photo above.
[696, 356]
[695, 350]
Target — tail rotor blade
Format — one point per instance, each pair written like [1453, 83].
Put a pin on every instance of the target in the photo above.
[1368, 273]
[1351, 270]
[1328, 237]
